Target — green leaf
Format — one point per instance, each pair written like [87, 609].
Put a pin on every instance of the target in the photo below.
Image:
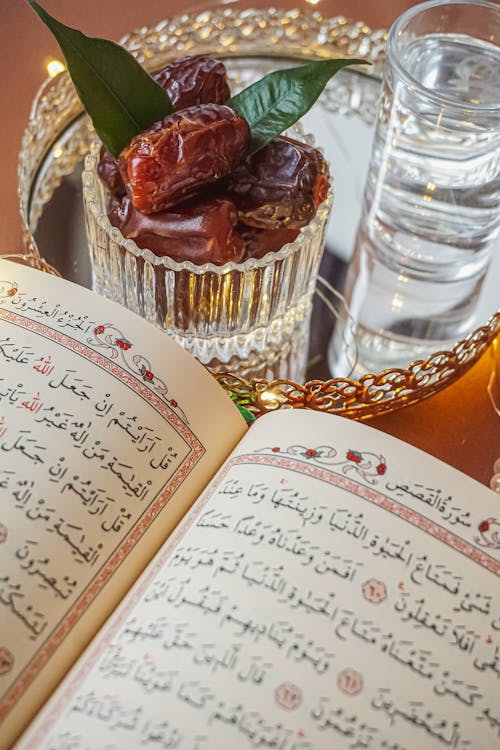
[246, 414]
[121, 98]
[278, 100]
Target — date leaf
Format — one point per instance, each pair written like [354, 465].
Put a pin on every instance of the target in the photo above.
[278, 100]
[121, 98]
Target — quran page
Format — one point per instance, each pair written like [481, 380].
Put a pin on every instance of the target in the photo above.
[108, 432]
[332, 588]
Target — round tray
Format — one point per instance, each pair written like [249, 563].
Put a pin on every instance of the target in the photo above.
[252, 42]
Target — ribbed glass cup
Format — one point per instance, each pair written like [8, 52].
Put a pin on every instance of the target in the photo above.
[250, 318]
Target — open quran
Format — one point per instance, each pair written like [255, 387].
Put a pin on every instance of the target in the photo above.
[172, 579]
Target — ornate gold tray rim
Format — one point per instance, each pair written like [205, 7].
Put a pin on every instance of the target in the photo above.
[252, 32]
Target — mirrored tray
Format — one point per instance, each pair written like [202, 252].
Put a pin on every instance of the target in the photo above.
[252, 42]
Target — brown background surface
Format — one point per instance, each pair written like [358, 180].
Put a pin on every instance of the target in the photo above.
[457, 425]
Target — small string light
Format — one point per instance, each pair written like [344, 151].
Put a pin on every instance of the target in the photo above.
[268, 398]
[495, 479]
[54, 67]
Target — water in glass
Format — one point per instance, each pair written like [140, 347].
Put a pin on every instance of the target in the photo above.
[431, 216]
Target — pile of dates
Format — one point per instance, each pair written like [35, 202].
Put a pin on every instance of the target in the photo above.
[186, 188]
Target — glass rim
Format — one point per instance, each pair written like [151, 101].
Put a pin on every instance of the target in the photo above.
[394, 32]
[91, 185]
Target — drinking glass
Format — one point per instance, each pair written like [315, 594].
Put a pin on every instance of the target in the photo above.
[431, 213]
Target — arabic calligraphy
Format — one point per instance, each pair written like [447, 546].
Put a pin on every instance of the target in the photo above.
[434, 499]
[86, 458]
[278, 596]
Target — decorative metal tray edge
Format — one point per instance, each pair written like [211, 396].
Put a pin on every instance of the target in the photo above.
[230, 32]
[371, 395]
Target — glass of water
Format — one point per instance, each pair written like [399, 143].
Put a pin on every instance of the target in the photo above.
[431, 213]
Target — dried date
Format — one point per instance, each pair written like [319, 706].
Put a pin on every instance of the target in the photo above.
[279, 186]
[197, 79]
[178, 156]
[259, 242]
[109, 172]
[200, 230]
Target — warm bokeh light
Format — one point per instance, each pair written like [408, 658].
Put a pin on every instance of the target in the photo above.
[269, 399]
[54, 67]
[267, 396]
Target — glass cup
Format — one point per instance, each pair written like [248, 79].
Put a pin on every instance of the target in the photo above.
[431, 213]
[250, 319]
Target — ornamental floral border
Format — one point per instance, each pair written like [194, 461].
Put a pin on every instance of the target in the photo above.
[117, 346]
[8, 289]
[370, 467]
[108, 337]
[365, 464]
[489, 534]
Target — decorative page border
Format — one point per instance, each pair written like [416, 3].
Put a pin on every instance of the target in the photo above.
[366, 464]
[8, 289]
[375, 497]
[90, 657]
[116, 346]
[171, 413]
